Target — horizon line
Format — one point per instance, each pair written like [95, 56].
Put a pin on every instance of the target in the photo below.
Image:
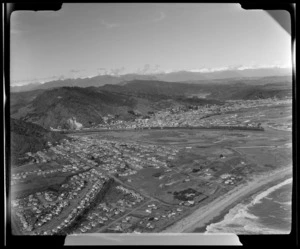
[202, 70]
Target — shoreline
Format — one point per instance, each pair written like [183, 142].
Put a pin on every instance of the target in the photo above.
[216, 210]
[247, 199]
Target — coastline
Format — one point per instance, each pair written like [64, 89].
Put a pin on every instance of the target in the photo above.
[217, 209]
[247, 199]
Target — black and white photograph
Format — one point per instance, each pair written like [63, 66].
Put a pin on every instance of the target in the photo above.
[147, 118]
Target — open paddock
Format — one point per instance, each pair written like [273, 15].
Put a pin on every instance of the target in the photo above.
[36, 184]
[270, 157]
[167, 193]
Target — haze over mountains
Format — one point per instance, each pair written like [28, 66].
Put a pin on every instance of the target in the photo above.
[179, 76]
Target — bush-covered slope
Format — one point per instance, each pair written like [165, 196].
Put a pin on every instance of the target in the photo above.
[29, 137]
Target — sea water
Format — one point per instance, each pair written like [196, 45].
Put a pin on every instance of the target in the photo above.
[269, 212]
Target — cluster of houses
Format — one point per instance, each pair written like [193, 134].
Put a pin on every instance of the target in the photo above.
[24, 216]
[134, 194]
[29, 201]
[128, 172]
[25, 225]
[122, 158]
[46, 205]
[55, 210]
[229, 178]
[94, 219]
[39, 213]
[82, 153]
[187, 203]
[41, 156]
[158, 216]
[154, 217]
[85, 153]
[21, 176]
[88, 197]
[106, 212]
[182, 117]
[50, 196]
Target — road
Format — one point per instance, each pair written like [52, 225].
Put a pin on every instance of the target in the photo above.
[140, 191]
[259, 146]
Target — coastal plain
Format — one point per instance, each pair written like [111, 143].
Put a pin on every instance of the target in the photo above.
[149, 180]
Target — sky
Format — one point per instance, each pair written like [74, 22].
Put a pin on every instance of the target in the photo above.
[85, 40]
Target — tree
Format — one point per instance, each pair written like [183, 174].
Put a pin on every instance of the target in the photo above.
[131, 112]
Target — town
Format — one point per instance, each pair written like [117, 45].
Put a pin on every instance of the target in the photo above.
[208, 116]
[143, 180]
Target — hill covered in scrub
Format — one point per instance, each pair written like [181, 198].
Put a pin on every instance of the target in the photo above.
[29, 137]
[53, 108]
[63, 107]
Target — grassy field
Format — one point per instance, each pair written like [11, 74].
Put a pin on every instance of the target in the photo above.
[36, 184]
[269, 157]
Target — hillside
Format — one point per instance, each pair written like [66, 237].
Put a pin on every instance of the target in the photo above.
[29, 137]
[57, 107]
[155, 87]
[247, 91]
[226, 89]
[77, 107]
[74, 107]
[19, 100]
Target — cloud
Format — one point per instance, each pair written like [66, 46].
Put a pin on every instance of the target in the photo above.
[101, 71]
[75, 71]
[110, 25]
[161, 17]
[148, 69]
[36, 80]
[237, 67]
[117, 71]
[145, 69]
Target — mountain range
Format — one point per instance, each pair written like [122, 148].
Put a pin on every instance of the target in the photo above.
[179, 76]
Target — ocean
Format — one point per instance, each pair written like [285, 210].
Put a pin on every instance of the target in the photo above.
[269, 212]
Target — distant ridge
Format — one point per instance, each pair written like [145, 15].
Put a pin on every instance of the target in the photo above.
[179, 76]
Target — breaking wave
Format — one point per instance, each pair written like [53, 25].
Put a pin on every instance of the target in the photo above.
[269, 212]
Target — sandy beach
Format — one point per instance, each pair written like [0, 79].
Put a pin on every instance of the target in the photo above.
[202, 216]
